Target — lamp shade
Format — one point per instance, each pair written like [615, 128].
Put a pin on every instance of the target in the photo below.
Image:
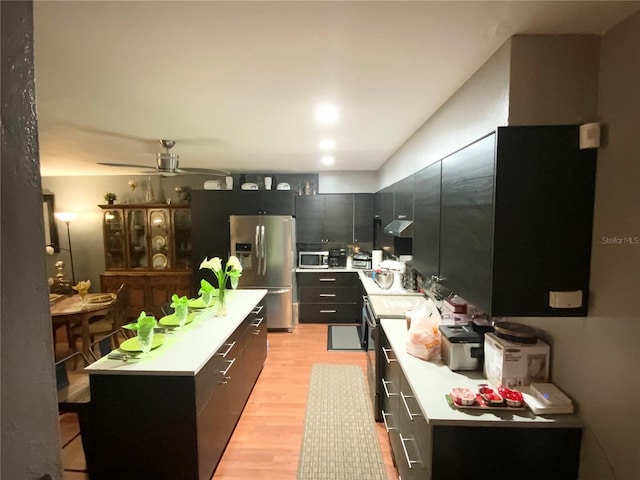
[66, 216]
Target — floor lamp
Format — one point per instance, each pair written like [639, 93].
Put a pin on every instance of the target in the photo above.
[68, 217]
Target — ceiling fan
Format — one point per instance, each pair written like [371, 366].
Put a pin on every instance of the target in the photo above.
[167, 164]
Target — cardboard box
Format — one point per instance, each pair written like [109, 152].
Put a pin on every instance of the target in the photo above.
[513, 364]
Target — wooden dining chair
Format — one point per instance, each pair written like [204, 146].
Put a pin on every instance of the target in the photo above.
[74, 396]
[103, 325]
[104, 345]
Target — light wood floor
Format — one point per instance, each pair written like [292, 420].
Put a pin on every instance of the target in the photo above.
[267, 438]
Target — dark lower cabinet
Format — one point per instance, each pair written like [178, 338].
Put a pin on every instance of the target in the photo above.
[461, 450]
[329, 297]
[171, 426]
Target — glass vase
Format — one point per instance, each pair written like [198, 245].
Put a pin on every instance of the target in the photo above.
[221, 305]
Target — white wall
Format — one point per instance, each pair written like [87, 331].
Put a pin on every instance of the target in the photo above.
[554, 79]
[477, 108]
[348, 182]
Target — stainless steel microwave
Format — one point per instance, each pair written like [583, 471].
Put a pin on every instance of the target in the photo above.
[313, 259]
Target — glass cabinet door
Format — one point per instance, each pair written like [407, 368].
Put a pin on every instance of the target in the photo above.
[182, 238]
[161, 240]
[114, 240]
[137, 222]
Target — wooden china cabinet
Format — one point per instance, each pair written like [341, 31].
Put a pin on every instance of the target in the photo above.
[148, 247]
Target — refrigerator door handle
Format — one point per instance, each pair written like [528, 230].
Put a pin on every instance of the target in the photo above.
[258, 248]
[264, 251]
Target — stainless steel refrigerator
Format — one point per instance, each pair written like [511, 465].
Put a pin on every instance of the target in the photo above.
[265, 246]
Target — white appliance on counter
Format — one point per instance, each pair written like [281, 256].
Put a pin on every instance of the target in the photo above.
[265, 246]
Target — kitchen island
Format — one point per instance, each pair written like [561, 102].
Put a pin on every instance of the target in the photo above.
[432, 439]
[170, 415]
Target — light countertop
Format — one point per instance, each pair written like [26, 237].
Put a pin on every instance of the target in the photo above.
[431, 381]
[185, 352]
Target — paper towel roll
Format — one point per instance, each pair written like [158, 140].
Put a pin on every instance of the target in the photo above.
[376, 258]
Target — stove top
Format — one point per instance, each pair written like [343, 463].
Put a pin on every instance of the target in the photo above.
[394, 306]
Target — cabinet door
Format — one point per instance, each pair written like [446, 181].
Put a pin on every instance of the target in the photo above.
[275, 203]
[387, 202]
[426, 221]
[338, 218]
[161, 240]
[182, 238]
[363, 217]
[309, 218]
[403, 201]
[114, 240]
[137, 240]
[467, 221]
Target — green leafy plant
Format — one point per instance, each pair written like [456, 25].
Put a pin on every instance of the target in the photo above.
[110, 196]
[144, 322]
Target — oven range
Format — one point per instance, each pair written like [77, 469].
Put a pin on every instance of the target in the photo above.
[374, 308]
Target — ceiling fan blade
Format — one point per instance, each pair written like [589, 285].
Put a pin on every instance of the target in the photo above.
[204, 171]
[108, 133]
[126, 165]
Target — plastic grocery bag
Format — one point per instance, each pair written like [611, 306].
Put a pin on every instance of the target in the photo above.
[424, 336]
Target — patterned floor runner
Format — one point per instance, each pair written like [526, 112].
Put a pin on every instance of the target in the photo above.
[339, 440]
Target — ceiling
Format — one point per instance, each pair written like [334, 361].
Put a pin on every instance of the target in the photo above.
[236, 83]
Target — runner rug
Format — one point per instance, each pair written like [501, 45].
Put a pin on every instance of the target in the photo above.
[339, 439]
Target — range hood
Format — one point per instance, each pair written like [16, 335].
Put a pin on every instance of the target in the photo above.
[400, 228]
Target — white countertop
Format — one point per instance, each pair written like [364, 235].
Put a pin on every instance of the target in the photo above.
[327, 270]
[185, 352]
[431, 381]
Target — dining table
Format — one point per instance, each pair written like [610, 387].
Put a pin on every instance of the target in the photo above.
[71, 310]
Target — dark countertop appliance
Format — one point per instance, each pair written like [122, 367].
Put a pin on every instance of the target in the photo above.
[337, 258]
[362, 260]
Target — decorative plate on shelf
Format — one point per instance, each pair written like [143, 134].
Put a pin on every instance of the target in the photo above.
[159, 261]
[158, 242]
[157, 218]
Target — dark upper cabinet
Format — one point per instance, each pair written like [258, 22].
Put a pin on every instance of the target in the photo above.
[210, 210]
[403, 200]
[516, 220]
[309, 218]
[338, 218]
[426, 220]
[363, 217]
[345, 218]
[387, 209]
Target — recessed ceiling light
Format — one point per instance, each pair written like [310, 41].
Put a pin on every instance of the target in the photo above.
[327, 144]
[326, 114]
[327, 160]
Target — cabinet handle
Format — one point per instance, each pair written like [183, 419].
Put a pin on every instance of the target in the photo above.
[259, 321]
[401, 217]
[226, 370]
[385, 352]
[384, 419]
[257, 310]
[386, 390]
[327, 311]
[406, 406]
[327, 295]
[257, 332]
[228, 349]
[406, 454]
[327, 279]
